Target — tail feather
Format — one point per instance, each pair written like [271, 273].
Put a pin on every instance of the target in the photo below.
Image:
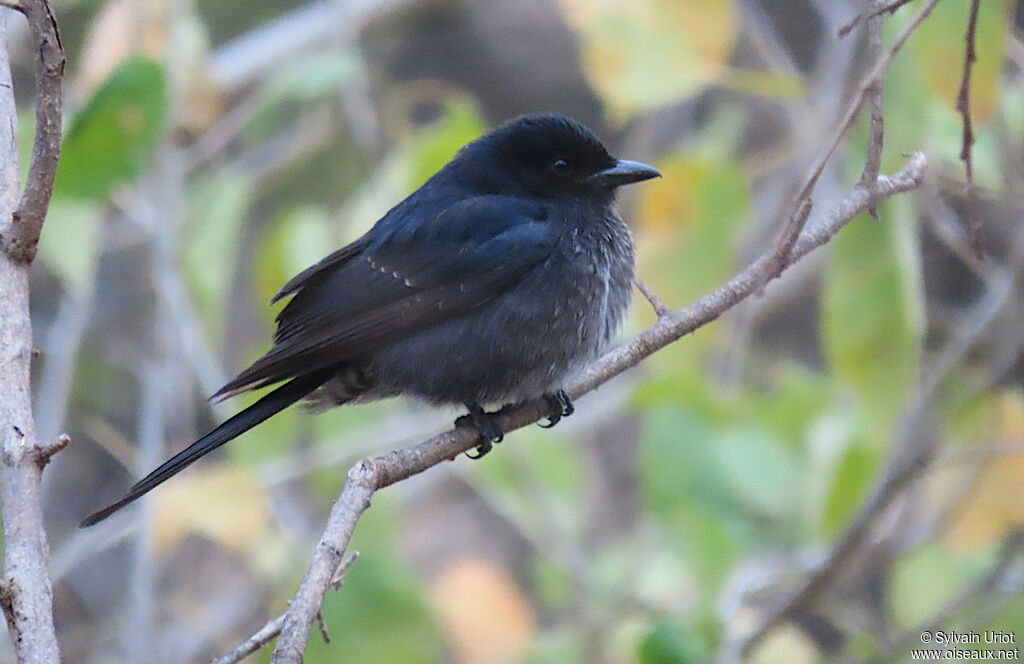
[269, 405]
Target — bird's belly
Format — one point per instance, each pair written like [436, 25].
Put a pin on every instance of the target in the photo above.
[520, 345]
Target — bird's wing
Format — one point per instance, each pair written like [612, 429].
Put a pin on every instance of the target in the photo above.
[412, 278]
[329, 262]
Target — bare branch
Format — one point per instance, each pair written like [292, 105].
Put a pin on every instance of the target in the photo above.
[45, 451]
[265, 635]
[322, 626]
[25, 592]
[372, 474]
[20, 239]
[656, 302]
[914, 449]
[889, 7]
[867, 84]
[873, 164]
[791, 231]
[1013, 544]
[242, 60]
[963, 107]
[269, 632]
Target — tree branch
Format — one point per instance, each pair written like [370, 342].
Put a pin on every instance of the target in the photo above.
[372, 474]
[873, 164]
[882, 8]
[970, 594]
[20, 239]
[963, 107]
[914, 448]
[270, 631]
[25, 593]
[656, 302]
[45, 451]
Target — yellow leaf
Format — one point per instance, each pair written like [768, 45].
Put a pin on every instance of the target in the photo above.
[671, 203]
[125, 28]
[647, 52]
[939, 46]
[222, 503]
[787, 645]
[121, 29]
[995, 505]
[486, 616]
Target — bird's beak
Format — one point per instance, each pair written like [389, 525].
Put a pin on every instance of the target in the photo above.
[623, 172]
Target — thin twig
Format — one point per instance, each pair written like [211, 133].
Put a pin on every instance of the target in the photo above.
[265, 635]
[947, 228]
[322, 626]
[873, 76]
[791, 232]
[656, 302]
[45, 451]
[269, 632]
[1013, 544]
[21, 239]
[914, 450]
[889, 7]
[242, 60]
[372, 474]
[873, 163]
[963, 107]
[339, 574]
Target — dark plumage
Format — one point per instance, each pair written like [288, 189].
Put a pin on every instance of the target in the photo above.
[494, 281]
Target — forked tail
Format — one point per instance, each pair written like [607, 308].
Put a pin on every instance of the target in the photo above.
[269, 405]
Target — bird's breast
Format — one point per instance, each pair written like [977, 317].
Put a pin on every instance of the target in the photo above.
[526, 341]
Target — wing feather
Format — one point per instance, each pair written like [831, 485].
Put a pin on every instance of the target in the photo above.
[402, 283]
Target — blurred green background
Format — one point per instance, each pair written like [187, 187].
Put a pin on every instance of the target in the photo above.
[213, 149]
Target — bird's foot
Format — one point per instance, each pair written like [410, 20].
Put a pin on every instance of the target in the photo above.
[561, 406]
[487, 426]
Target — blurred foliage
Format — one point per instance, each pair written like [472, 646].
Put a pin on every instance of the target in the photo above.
[874, 355]
[644, 53]
[730, 470]
[111, 136]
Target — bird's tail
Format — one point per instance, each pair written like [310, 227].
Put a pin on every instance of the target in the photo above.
[269, 405]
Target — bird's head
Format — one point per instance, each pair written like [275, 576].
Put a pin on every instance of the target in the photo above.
[547, 155]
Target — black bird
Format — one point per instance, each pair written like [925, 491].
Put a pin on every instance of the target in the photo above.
[503, 274]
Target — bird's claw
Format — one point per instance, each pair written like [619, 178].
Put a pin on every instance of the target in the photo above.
[486, 424]
[561, 406]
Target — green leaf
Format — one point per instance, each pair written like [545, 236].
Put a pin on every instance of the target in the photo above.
[68, 245]
[850, 483]
[793, 404]
[695, 214]
[687, 495]
[922, 581]
[934, 52]
[378, 617]
[647, 53]
[666, 644]
[670, 487]
[217, 212]
[297, 239]
[758, 469]
[869, 324]
[319, 74]
[433, 147]
[110, 139]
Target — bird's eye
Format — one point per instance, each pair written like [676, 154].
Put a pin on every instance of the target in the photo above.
[560, 167]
